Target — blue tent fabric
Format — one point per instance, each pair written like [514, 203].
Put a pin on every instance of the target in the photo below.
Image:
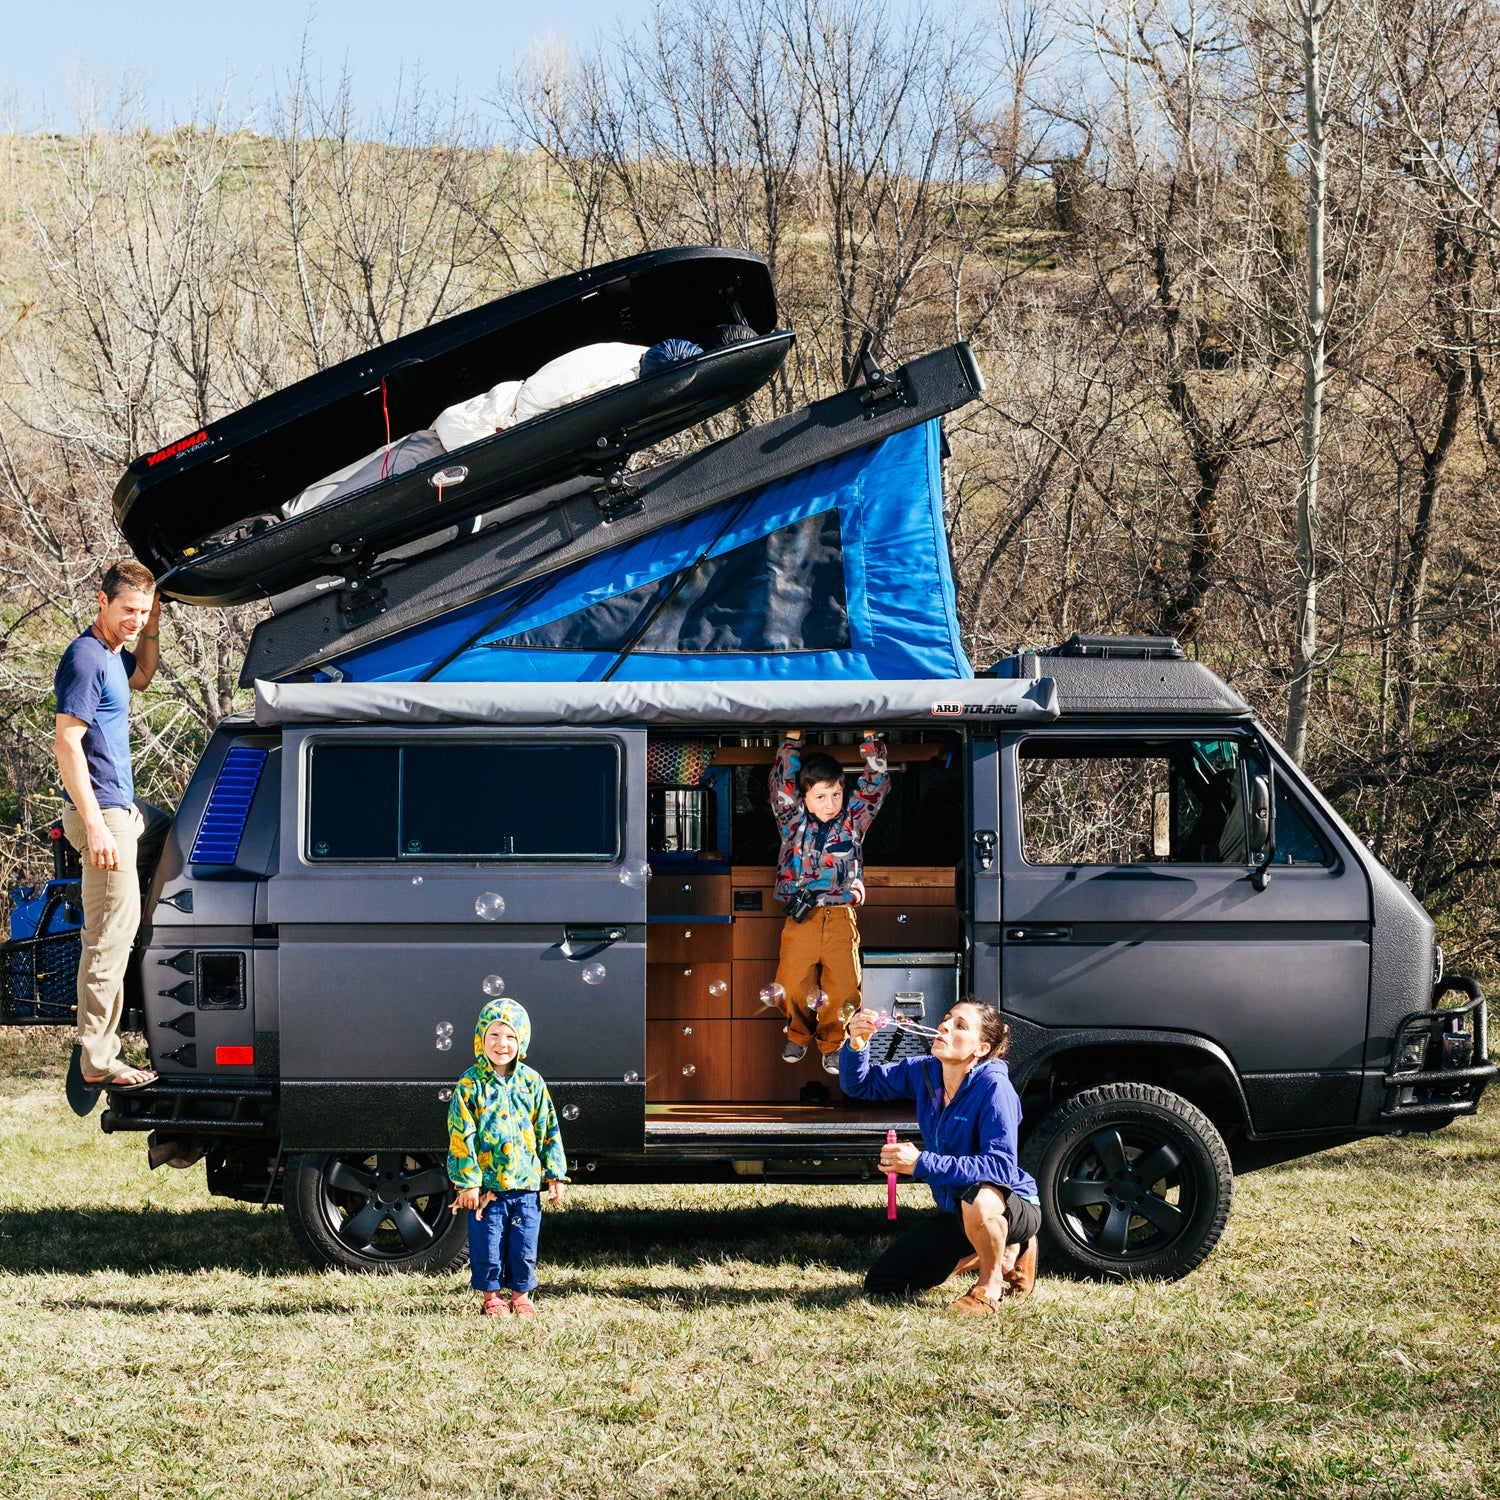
[840, 571]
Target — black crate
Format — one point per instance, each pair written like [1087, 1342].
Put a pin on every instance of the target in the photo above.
[39, 980]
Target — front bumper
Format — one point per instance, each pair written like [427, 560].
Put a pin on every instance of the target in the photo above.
[1455, 1066]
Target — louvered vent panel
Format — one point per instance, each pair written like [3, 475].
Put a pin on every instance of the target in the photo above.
[223, 825]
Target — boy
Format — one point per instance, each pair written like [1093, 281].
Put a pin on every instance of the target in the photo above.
[820, 877]
[501, 1110]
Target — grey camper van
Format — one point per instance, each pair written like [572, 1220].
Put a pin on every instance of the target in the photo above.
[1200, 963]
[1203, 968]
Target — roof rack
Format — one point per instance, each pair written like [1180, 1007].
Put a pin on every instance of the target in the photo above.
[1124, 647]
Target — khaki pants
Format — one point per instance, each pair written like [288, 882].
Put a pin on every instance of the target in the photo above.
[820, 953]
[111, 914]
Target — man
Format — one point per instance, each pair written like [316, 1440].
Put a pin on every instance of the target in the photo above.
[101, 818]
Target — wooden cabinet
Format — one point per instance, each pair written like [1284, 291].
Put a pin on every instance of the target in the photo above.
[759, 1075]
[677, 991]
[688, 894]
[688, 942]
[908, 926]
[688, 1061]
[758, 937]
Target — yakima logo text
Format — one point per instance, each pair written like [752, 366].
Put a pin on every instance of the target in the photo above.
[180, 446]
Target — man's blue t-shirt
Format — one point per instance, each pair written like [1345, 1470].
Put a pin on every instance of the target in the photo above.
[93, 684]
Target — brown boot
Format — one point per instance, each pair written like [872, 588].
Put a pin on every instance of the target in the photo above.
[1022, 1276]
[974, 1303]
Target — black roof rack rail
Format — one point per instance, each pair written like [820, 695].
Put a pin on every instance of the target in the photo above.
[1124, 647]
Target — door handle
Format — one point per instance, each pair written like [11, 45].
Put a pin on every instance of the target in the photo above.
[1038, 934]
[584, 942]
[984, 847]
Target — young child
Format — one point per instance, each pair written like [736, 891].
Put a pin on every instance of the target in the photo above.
[820, 876]
[503, 1145]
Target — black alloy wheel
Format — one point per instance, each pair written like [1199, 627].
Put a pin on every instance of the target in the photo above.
[1135, 1182]
[374, 1211]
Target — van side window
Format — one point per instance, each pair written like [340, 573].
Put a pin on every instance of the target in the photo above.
[1146, 801]
[464, 799]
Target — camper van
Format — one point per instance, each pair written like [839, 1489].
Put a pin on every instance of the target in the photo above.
[532, 759]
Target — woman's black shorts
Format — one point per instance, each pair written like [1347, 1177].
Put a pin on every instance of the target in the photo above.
[929, 1252]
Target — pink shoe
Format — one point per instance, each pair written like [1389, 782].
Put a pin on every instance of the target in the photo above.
[494, 1306]
[522, 1305]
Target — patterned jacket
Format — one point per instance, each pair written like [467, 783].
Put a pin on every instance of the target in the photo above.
[502, 1128]
[825, 857]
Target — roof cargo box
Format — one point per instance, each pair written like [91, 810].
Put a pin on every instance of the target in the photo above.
[205, 515]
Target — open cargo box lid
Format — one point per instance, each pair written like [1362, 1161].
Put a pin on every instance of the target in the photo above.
[250, 463]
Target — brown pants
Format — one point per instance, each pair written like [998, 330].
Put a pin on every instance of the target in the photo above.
[820, 953]
[111, 914]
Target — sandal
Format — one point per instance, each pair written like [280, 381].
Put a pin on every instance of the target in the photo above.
[144, 1078]
[494, 1306]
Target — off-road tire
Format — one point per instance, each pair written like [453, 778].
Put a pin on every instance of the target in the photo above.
[376, 1211]
[1135, 1183]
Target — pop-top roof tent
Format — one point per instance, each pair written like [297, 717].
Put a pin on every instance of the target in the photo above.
[879, 540]
[179, 508]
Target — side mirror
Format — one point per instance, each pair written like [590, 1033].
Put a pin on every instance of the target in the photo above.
[1262, 830]
[1260, 814]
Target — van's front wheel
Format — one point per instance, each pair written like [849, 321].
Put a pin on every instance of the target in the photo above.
[1134, 1182]
[373, 1211]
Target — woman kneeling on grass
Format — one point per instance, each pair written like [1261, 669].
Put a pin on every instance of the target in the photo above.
[969, 1117]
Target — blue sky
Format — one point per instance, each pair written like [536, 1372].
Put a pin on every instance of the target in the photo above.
[182, 49]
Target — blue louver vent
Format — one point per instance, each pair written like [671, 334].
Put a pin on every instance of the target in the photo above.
[223, 824]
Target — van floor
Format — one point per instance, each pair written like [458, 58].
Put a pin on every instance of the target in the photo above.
[777, 1119]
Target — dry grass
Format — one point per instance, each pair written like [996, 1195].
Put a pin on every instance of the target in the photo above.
[1343, 1341]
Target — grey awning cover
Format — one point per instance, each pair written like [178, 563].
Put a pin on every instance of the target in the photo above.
[968, 701]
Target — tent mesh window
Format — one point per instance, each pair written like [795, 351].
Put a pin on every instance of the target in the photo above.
[782, 592]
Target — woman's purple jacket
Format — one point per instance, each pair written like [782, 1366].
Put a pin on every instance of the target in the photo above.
[972, 1141]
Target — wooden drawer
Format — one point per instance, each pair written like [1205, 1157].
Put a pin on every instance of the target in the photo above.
[674, 990]
[758, 937]
[688, 894]
[701, 1046]
[760, 1076]
[751, 976]
[910, 895]
[688, 942]
[909, 927]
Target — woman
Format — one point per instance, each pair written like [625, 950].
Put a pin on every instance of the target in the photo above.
[969, 1116]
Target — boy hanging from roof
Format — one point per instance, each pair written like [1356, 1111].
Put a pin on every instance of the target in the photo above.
[503, 1145]
[820, 876]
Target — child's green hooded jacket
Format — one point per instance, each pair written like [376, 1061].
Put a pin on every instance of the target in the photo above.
[502, 1130]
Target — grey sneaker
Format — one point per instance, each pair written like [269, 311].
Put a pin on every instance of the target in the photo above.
[793, 1052]
[831, 1063]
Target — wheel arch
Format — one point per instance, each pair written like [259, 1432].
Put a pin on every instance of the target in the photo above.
[1192, 1066]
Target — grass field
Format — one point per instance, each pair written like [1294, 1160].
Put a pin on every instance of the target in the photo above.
[1343, 1340]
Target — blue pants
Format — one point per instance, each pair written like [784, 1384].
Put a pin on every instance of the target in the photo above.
[502, 1243]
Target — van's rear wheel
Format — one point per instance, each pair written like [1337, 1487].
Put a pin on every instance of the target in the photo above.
[373, 1211]
[1134, 1182]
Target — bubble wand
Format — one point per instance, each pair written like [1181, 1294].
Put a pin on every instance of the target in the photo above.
[890, 1181]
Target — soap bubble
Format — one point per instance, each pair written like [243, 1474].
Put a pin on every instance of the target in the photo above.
[490, 905]
[444, 1028]
[634, 873]
[689, 1070]
[772, 995]
[570, 1112]
[846, 1011]
[632, 1076]
[593, 974]
[444, 1044]
[817, 1000]
[493, 986]
[718, 988]
[416, 880]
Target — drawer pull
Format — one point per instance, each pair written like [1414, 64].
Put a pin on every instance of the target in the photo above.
[687, 973]
[687, 1031]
